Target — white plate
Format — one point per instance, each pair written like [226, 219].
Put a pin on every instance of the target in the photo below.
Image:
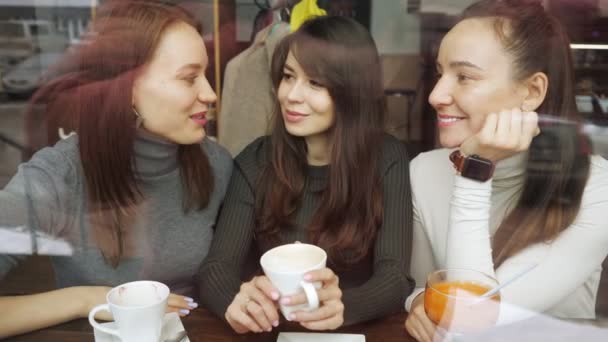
[316, 337]
[171, 326]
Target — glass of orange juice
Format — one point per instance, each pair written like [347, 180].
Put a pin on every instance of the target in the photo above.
[452, 300]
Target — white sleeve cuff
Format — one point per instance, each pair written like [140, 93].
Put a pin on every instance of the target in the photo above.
[466, 183]
[411, 297]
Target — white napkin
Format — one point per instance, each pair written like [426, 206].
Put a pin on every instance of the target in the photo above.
[315, 337]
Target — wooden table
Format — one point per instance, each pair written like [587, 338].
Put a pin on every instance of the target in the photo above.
[202, 326]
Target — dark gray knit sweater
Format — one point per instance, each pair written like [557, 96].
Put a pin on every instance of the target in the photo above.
[374, 287]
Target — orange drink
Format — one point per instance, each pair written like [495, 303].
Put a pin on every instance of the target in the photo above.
[452, 300]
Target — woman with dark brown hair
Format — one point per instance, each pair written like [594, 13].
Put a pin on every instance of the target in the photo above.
[327, 175]
[526, 193]
[135, 193]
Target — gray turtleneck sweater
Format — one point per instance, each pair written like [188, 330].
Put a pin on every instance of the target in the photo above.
[48, 195]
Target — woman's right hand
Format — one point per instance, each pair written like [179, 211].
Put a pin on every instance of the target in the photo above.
[503, 134]
[255, 307]
[417, 324]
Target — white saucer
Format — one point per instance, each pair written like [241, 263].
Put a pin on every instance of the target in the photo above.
[172, 324]
[315, 337]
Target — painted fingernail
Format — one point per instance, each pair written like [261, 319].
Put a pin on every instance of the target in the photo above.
[188, 299]
[285, 300]
[292, 316]
[307, 277]
[274, 295]
[275, 324]
[184, 312]
[193, 305]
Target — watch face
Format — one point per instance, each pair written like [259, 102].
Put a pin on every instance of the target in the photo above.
[478, 169]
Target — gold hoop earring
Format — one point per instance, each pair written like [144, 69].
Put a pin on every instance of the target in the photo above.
[140, 118]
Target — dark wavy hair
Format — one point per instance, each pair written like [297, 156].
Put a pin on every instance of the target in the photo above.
[90, 92]
[558, 161]
[341, 55]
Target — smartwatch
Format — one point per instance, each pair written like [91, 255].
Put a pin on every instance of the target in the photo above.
[472, 167]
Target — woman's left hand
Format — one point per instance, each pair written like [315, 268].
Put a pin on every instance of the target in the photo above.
[330, 314]
[180, 304]
[503, 135]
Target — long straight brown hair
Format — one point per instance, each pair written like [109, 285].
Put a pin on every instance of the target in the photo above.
[558, 162]
[340, 54]
[91, 92]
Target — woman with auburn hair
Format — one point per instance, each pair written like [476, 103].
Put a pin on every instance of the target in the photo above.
[136, 191]
[526, 193]
[327, 175]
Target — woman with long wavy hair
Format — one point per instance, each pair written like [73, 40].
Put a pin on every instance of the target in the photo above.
[136, 191]
[526, 193]
[326, 175]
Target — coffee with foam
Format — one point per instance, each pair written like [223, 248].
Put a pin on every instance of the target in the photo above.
[293, 260]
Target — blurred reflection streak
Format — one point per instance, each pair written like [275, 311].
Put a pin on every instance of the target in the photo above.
[20, 240]
[598, 136]
[548, 119]
[539, 327]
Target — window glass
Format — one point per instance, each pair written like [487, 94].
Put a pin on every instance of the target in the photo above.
[442, 78]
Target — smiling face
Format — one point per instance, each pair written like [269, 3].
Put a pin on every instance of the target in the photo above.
[172, 93]
[476, 79]
[306, 106]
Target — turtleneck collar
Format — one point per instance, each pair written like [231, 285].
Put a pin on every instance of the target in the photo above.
[318, 176]
[510, 171]
[154, 156]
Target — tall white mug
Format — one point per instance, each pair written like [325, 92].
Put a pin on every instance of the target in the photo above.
[138, 309]
[286, 266]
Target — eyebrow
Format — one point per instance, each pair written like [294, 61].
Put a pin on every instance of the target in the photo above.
[465, 64]
[286, 66]
[194, 66]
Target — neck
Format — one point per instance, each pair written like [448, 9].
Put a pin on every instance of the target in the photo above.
[318, 150]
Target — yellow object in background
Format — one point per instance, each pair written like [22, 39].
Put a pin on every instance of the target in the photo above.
[303, 11]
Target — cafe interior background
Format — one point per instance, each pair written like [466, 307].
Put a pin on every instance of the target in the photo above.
[34, 33]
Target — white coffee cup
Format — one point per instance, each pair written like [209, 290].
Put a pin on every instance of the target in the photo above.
[286, 266]
[138, 309]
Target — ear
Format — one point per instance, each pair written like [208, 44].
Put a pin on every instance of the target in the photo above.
[536, 90]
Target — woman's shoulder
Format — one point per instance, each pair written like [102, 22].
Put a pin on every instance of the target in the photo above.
[392, 151]
[63, 157]
[221, 164]
[432, 162]
[431, 174]
[67, 146]
[254, 154]
[219, 157]
[393, 148]
[598, 173]
[599, 164]
[53, 166]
